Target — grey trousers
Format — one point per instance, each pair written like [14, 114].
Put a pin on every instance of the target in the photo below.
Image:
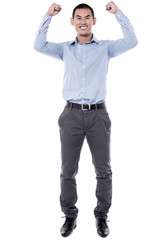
[76, 124]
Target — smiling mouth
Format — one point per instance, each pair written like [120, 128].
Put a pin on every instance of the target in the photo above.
[83, 27]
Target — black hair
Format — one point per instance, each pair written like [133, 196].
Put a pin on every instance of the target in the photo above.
[82, 6]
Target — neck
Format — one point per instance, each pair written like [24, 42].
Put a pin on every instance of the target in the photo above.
[84, 39]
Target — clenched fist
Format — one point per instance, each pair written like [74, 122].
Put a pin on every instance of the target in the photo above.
[54, 10]
[112, 8]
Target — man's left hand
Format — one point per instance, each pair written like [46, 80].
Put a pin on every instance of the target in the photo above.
[112, 7]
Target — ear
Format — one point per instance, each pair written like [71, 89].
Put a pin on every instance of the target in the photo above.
[72, 21]
[94, 21]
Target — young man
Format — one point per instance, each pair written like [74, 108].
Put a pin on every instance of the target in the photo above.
[85, 115]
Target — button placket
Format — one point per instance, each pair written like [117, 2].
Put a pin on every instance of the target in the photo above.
[83, 70]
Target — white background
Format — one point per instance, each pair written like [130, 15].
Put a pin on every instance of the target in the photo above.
[31, 102]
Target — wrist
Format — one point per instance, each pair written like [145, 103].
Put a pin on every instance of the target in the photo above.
[117, 10]
[48, 14]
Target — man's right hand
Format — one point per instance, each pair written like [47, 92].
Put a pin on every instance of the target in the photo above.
[54, 10]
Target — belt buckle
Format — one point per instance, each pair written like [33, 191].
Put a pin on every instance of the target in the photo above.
[84, 108]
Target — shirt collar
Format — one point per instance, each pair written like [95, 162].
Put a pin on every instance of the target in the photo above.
[92, 40]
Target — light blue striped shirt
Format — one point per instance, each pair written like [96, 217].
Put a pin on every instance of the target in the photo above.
[86, 65]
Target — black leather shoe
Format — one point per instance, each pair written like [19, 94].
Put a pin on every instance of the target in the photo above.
[102, 227]
[68, 227]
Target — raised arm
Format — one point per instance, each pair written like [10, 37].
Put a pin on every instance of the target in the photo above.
[129, 39]
[40, 44]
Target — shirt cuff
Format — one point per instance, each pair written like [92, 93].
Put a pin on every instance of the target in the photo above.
[122, 19]
[47, 17]
[119, 15]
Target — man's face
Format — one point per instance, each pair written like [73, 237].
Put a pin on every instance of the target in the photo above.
[83, 22]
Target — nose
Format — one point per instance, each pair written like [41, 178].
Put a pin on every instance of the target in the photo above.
[83, 21]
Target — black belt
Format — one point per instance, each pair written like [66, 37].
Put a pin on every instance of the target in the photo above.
[86, 106]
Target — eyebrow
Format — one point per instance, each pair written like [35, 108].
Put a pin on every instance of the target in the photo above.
[85, 16]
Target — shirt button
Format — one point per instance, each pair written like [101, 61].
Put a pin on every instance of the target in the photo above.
[83, 79]
[83, 90]
[84, 56]
[84, 66]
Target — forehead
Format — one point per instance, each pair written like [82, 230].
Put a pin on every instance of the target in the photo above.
[83, 12]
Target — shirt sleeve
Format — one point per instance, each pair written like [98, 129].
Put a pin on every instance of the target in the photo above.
[41, 45]
[129, 40]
